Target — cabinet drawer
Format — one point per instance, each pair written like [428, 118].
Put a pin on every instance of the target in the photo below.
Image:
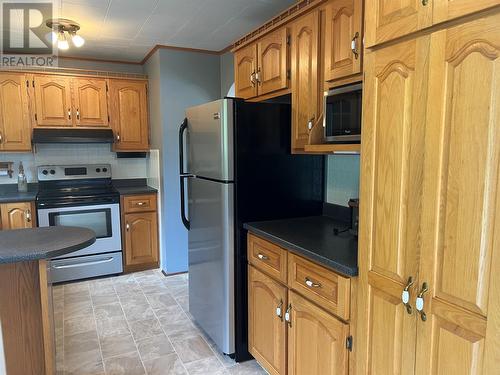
[139, 203]
[321, 285]
[267, 257]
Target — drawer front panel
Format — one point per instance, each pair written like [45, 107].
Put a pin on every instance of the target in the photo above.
[139, 203]
[267, 257]
[321, 285]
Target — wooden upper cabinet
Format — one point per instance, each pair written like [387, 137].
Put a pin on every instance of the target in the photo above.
[343, 38]
[141, 239]
[245, 69]
[129, 114]
[267, 330]
[461, 235]
[53, 106]
[272, 56]
[17, 215]
[90, 102]
[316, 340]
[305, 78]
[392, 167]
[389, 19]
[15, 125]
[445, 10]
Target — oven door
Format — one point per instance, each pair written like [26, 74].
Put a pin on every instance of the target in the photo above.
[342, 120]
[104, 220]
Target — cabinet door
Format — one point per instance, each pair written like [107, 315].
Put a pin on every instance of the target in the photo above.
[129, 115]
[266, 330]
[53, 105]
[445, 10]
[388, 19]
[389, 238]
[245, 68]
[305, 78]
[461, 231]
[316, 340]
[17, 215]
[343, 38]
[91, 102]
[15, 127]
[141, 239]
[273, 61]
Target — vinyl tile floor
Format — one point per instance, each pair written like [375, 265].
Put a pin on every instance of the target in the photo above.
[135, 324]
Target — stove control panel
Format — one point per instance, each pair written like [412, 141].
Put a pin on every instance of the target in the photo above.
[73, 172]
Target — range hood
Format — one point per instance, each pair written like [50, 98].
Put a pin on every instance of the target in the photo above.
[73, 136]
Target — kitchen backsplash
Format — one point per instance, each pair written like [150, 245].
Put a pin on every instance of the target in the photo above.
[342, 178]
[47, 154]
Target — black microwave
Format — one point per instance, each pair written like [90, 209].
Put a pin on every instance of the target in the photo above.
[342, 114]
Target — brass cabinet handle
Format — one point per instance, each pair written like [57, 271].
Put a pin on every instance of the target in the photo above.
[27, 214]
[425, 2]
[77, 114]
[354, 45]
[117, 137]
[1, 138]
[262, 256]
[405, 295]
[69, 113]
[140, 203]
[310, 123]
[279, 310]
[288, 315]
[257, 77]
[127, 227]
[311, 284]
[419, 302]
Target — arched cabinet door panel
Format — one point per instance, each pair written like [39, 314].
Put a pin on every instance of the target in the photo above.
[245, 66]
[15, 126]
[129, 115]
[91, 104]
[272, 71]
[17, 216]
[53, 106]
[141, 238]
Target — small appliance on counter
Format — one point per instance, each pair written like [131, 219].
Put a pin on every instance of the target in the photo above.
[354, 205]
[82, 196]
[22, 182]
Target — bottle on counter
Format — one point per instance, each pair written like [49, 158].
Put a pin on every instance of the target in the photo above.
[22, 182]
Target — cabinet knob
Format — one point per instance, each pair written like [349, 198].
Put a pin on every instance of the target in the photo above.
[354, 45]
[405, 295]
[419, 302]
[262, 257]
[69, 113]
[279, 310]
[311, 284]
[117, 137]
[425, 2]
[288, 315]
[127, 227]
[1, 138]
[252, 78]
[310, 123]
[27, 214]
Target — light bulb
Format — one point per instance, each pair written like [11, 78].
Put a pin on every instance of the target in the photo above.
[62, 43]
[77, 40]
[52, 37]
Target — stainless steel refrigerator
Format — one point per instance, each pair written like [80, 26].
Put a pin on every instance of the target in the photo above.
[236, 167]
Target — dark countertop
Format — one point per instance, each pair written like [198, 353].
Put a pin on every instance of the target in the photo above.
[133, 186]
[21, 245]
[9, 193]
[313, 238]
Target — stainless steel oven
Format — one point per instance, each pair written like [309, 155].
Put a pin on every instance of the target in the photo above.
[82, 196]
[342, 114]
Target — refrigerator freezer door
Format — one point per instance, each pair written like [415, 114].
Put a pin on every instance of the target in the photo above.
[211, 259]
[210, 140]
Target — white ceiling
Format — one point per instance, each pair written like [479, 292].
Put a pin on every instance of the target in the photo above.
[129, 29]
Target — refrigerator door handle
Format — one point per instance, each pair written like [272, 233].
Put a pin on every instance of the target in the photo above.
[185, 220]
[183, 127]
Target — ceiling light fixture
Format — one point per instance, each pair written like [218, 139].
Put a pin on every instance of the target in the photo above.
[62, 31]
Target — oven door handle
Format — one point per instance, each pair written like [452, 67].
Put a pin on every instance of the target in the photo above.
[90, 263]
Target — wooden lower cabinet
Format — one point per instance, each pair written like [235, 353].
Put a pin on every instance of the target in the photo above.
[316, 340]
[288, 333]
[17, 215]
[266, 327]
[140, 235]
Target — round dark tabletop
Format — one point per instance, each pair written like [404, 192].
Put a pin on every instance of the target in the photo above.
[21, 245]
